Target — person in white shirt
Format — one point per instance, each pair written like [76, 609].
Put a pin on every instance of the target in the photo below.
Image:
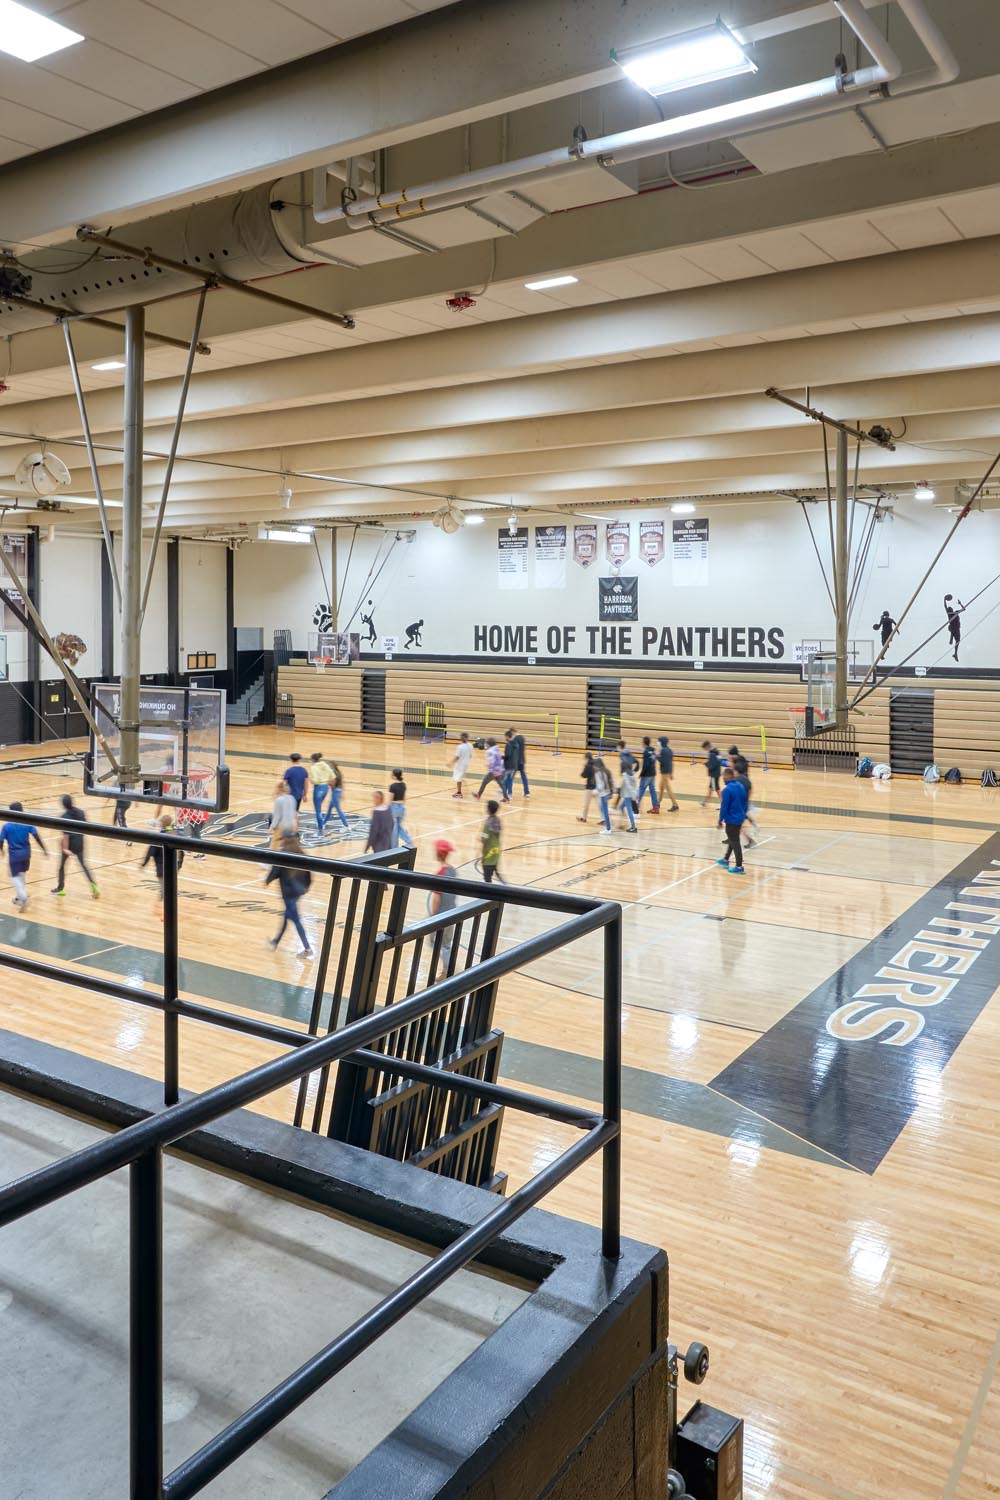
[460, 762]
[284, 815]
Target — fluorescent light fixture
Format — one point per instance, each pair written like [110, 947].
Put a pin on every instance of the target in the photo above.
[109, 364]
[682, 508]
[308, 530]
[270, 534]
[473, 520]
[685, 60]
[83, 500]
[923, 491]
[27, 35]
[550, 281]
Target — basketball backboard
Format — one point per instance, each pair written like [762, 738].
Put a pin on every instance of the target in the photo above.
[181, 747]
[334, 648]
[860, 655]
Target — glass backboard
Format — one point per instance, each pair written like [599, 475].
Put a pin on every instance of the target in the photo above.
[181, 747]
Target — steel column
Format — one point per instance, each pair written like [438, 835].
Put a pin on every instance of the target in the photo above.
[135, 325]
[840, 570]
[612, 1092]
[145, 1344]
[171, 1059]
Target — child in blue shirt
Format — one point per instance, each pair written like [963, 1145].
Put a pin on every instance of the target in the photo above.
[732, 816]
[295, 777]
[17, 837]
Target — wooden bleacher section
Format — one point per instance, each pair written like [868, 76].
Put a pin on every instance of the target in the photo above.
[486, 699]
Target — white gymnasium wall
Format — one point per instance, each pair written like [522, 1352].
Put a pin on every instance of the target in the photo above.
[70, 577]
[762, 575]
[202, 601]
[278, 586]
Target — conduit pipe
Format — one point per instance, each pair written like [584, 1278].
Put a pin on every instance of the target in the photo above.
[782, 106]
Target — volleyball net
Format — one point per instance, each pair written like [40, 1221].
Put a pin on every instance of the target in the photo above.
[685, 739]
[540, 731]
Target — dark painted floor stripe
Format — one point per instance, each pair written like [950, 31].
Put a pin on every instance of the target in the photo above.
[927, 819]
[674, 1100]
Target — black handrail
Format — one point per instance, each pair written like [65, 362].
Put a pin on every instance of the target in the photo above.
[140, 1146]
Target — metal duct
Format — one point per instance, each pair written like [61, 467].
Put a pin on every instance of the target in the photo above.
[235, 234]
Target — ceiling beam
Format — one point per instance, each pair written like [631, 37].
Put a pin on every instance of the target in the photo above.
[423, 76]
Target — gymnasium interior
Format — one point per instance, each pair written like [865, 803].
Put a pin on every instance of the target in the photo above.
[499, 749]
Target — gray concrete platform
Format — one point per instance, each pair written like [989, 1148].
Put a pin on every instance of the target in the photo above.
[267, 1278]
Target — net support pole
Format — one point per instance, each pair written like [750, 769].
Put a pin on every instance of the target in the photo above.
[840, 572]
[135, 325]
[556, 750]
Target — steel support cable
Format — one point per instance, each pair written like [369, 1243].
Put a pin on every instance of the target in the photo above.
[822, 569]
[81, 402]
[829, 507]
[913, 598]
[373, 581]
[854, 499]
[864, 546]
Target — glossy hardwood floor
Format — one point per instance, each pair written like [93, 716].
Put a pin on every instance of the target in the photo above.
[853, 1314]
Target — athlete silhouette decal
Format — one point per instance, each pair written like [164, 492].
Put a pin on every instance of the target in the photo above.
[954, 622]
[886, 624]
[368, 620]
[413, 637]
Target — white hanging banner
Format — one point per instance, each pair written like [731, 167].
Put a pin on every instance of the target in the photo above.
[550, 557]
[618, 543]
[512, 558]
[690, 554]
[585, 545]
[652, 544]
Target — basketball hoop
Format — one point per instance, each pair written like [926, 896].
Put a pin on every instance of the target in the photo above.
[797, 717]
[321, 663]
[198, 779]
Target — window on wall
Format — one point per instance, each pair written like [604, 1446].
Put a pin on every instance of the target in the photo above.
[16, 548]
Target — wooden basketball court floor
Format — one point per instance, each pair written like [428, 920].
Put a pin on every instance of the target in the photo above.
[833, 1234]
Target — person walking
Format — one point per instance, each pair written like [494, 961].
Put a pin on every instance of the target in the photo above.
[460, 763]
[489, 844]
[441, 901]
[665, 762]
[154, 856]
[121, 808]
[509, 764]
[741, 766]
[297, 778]
[397, 806]
[713, 765]
[628, 794]
[647, 774]
[72, 843]
[732, 816]
[284, 815]
[321, 777]
[293, 885]
[382, 827]
[517, 740]
[589, 777]
[494, 770]
[603, 787]
[18, 837]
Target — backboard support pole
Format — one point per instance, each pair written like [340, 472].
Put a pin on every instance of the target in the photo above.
[840, 574]
[135, 326]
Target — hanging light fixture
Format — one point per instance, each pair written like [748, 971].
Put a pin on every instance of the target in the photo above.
[686, 60]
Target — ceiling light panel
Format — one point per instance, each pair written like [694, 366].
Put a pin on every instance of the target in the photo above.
[686, 60]
[26, 35]
[549, 283]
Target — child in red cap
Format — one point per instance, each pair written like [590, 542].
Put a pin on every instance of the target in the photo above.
[439, 901]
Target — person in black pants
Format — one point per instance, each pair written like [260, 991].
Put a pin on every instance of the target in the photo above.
[517, 740]
[72, 843]
[732, 816]
[589, 777]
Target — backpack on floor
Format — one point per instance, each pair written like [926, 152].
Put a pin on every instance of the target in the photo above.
[865, 767]
[989, 778]
[932, 773]
[882, 772]
[954, 776]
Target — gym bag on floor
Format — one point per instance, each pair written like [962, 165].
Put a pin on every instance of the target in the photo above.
[931, 773]
[954, 776]
[882, 772]
[989, 778]
[865, 767]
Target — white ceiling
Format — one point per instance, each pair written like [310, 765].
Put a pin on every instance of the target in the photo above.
[540, 397]
[138, 56]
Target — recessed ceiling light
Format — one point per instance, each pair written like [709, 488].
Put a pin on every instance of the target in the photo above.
[272, 534]
[682, 61]
[472, 520]
[109, 364]
[682, 508]
[550, 281]
[923, 491]
[27, 35]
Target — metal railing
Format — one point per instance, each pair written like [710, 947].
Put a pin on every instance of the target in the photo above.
[140, 1147]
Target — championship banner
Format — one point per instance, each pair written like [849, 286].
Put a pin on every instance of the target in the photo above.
[690, 554]
[652, 544]
[550, 557]
[512, 558]
[619, 598]
[584, 545]
[618, 543]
